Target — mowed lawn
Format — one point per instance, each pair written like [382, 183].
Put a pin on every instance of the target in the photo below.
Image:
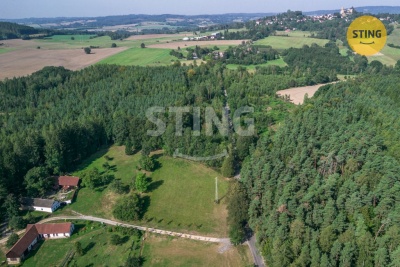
[162, 251]
[180, 198]
[95, 240]
[141, 57]
[294, 40]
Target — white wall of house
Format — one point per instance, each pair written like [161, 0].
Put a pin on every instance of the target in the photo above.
[55, 206]
[50, 210]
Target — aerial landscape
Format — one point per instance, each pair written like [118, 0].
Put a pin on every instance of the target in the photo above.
[164, 133]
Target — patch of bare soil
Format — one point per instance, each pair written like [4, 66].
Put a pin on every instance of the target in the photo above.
[26, 61]
[297, 94]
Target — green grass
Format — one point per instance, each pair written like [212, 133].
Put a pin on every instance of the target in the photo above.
[6, 49]
[141, 57]
[296, 41]
[99, 252]
[295, 33]
[170, 252]
[185, 198]
[278, 62]
[181, 194]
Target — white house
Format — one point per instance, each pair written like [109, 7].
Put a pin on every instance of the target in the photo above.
[186, 39]
[39, 204]
[33, 233]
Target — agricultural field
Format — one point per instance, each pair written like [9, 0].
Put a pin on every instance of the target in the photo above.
[141, 57]
[294, 39]
[162, 251]
[180, 197]
[97, 249]
[23, 62]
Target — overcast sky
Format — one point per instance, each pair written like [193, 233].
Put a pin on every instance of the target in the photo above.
[80, 8]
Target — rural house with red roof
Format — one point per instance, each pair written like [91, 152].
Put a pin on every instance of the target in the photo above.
[68, 182]
[34, 233]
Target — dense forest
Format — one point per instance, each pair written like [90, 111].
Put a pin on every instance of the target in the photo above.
[325, 188]
[10, 30]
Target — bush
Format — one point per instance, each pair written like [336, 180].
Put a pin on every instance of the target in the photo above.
[115, 240]
[113, 45]
[12, 240]
[128, 208]
[16, 222]
[87, 50]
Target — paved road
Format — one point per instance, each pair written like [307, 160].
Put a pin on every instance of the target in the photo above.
[258, 260]
[224, 241]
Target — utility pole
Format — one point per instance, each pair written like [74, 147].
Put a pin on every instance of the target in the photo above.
[216, 191]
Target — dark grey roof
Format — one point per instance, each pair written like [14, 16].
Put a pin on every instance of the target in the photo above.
[37, 202]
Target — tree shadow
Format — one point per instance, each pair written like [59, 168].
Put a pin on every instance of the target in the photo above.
[89, 247]
[145, 205]
[124, 239]
[35, 250]
[154, 185]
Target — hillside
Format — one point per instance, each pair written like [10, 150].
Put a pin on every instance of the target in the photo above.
[10, 30]
[325, 189]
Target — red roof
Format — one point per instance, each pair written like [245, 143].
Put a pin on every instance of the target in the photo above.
[68, 181]
[53, 228]
[19, 248]
[32, 232]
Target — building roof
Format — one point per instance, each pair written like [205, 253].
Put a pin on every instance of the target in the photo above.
[32, 232]
[37, 202]
[19, 248]
[68, 181]
[52, 228]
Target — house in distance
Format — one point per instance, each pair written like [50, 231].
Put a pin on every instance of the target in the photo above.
[34, 233]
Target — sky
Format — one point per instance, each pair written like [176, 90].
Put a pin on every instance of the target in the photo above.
[90, 8]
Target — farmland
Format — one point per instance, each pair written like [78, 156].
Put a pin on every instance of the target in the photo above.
[141, 57]
[294, 39]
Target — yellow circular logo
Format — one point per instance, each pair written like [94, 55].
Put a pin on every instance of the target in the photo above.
[367, 35]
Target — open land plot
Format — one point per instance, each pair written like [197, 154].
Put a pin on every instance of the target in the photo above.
[95, 240]
[278, 62]
[180, 198]
[141, 57]
[168, 252]
[294, 33]
[156, 36]
[181, 44]
[26, 61]
[297, 94]
[281, 42]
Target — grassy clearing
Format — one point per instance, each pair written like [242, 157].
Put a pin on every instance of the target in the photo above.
[281, 43]
[278, 62]
[95, 240]
[169, 252]
[141, 57]
[183, 198]
[180, 198]
[295, 33]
